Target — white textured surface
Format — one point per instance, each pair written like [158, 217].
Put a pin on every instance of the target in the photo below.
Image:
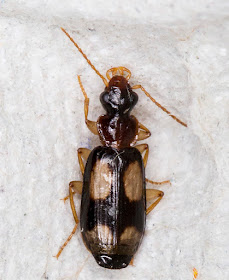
[179, 52]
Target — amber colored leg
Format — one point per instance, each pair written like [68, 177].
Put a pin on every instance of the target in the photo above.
[132, 261]
[143, 132]
[66, 242]
[158, 183]
[195, 273]
[73, 205]
[159, 105]
[74, 185]
[143, 148]
[83, 153]
[152, 194]
[92, 126]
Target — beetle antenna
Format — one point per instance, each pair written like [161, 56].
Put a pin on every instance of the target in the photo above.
[84, 55]
[159, 105]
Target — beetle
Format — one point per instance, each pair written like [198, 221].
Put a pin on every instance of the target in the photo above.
[113, 205]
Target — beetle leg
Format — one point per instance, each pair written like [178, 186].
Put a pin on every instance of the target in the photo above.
[132, 262]
[143, 132]
[92, 126]
[143, 148]
[66, 242]
[152, 194]
[73, 204]
[159, 105]
[83, 153]
[76, 186]
[158, 183]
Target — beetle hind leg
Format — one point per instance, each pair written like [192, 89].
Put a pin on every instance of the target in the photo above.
[77, 187]
[66, 242]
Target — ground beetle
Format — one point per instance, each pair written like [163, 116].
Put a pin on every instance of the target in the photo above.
[113, 205]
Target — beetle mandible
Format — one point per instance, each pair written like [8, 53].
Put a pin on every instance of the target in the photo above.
[113, 205]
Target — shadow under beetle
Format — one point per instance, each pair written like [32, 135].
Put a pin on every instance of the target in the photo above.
[113, 205]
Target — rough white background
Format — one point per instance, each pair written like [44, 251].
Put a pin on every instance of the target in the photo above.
[178, 50]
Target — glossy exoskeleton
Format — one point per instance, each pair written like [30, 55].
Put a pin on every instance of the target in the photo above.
[113, 204]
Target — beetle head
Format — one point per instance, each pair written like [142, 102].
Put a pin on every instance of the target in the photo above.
[118, 97]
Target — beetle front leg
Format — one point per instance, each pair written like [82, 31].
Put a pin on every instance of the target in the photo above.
[152, 194]
[143, 132]
[92, 126]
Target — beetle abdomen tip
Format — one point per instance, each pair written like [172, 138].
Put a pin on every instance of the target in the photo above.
[113, 261]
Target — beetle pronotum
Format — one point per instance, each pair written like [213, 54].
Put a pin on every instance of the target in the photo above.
[113, 204]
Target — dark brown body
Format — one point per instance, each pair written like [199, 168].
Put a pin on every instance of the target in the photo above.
[113, 205]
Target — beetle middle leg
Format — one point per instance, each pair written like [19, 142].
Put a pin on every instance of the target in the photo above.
[152, 194]
[76, 186]
[145, 148]
[83, 153]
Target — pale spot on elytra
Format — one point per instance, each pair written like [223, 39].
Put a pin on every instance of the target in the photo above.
[130, 234]
[100, 234]
[101, 178]
[133, 183]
